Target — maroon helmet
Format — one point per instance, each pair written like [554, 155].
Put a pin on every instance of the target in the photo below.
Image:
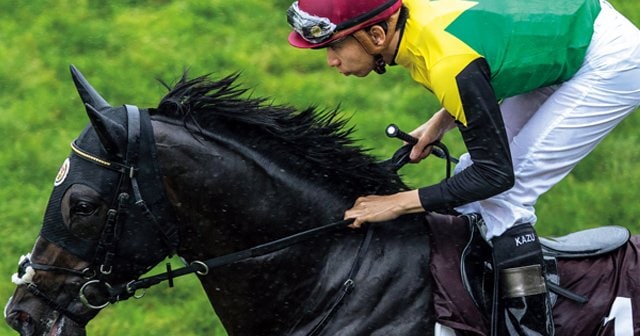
[317, 23]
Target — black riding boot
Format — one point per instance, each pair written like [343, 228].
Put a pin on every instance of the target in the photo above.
[521, 299]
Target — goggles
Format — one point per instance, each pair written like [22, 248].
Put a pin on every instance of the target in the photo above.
[313, 29]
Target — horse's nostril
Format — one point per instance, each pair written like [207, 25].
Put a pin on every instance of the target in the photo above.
[20, 321]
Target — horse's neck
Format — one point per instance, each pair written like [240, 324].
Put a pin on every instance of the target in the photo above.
[237, 199]
[227, 203]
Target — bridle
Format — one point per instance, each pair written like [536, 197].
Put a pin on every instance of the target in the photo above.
[105, 253]
[129, 170]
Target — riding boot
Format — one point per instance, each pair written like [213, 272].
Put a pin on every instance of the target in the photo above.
[521, 304]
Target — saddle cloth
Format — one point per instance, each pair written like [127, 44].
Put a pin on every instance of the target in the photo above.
[610, 281]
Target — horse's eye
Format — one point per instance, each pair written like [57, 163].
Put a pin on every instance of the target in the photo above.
[84, 209]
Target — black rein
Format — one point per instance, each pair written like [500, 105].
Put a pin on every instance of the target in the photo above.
[203, 267]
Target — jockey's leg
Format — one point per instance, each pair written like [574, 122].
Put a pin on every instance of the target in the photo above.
[551, 129]
[521, 299]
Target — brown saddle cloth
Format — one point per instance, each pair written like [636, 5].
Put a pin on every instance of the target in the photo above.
[611, 282]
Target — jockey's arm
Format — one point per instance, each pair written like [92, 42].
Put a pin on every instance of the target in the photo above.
[486, 140]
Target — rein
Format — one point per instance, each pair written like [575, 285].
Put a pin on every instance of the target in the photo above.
[203, 267]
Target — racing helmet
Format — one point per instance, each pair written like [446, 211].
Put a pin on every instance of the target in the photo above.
[316, 23]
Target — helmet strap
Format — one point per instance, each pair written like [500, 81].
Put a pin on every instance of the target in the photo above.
[379, 64]
[368, 43]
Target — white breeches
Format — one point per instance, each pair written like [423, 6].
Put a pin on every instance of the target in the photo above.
[551, 129]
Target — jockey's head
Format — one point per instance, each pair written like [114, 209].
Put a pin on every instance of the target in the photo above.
[319, 23]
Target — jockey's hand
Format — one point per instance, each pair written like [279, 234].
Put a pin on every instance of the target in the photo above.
[420, 150]
[374, 208]
[429, 132]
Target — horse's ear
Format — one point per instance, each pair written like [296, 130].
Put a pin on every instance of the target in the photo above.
[108, 131]
[88, 94]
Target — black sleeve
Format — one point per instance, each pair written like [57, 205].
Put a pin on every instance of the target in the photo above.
[486, 140]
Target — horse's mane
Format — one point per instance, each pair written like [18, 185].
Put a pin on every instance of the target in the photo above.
[320, 140]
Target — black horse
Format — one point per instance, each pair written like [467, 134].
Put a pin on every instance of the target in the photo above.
[253, 195]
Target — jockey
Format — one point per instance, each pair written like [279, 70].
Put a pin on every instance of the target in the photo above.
[532, 86]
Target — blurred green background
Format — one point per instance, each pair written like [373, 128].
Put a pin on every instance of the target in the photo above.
[122, 47]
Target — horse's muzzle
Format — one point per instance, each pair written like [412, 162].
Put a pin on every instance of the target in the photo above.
[28, 324]
[18, 320]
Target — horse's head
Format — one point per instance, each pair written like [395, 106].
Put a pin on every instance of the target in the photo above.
[105, 224]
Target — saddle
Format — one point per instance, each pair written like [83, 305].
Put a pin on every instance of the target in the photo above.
[476, 259]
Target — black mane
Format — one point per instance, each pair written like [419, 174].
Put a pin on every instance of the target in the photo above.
[319, 141]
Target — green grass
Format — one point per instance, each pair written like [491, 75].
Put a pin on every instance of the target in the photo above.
[123, 46]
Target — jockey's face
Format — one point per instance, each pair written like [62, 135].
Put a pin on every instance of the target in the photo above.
[349, 57]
